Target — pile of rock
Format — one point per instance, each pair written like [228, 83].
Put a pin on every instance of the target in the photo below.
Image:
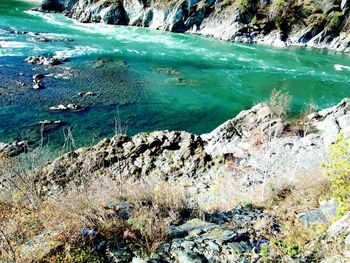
[220, 237]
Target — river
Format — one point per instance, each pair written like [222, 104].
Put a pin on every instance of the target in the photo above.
[153, 80]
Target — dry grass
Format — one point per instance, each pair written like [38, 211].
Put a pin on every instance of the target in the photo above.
[279, 103]
[299, 194]
[34, 226]
[151, 204]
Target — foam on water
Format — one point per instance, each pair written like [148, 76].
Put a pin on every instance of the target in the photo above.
[78, 51]
[341, 67]
[13, 44]
[10, 54]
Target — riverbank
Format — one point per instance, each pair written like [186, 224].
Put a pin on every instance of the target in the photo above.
[316, 24]
[234, 194]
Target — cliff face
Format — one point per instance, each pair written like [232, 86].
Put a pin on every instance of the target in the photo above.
[312, 23]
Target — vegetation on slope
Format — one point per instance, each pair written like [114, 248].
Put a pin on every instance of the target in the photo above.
[95, 216]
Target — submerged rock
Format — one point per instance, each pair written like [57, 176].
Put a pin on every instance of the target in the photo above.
[45, 60]
[170, 71]
[37, 80]
[38, 77]
[38, 86]
[48, 122]
[68, 107]
[101, 62]
[15, 31]
[45, 126]
[48, 40]
[86, 94]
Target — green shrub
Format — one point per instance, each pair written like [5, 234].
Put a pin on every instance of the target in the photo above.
[113, 2]
[316, 20]
[338, 170]
[295, 238]
[286, 13]
[243, 5]
[335, 20]
[77, 255]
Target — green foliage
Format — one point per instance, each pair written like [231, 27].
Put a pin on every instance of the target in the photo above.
[78, 255]
[316, 20]
[285, 13]
[295, 238]
[335, 20]
[281, 4]
[282, 18]
[265, 253]
[254, 20]
[243, 5]
[338, 170]
[287, 248]
[308, 8]
[113, 2]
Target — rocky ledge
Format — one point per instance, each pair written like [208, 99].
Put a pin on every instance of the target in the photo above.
[315, 23]
[253, 146]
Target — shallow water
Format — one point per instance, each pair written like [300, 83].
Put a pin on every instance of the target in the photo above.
[155, 80]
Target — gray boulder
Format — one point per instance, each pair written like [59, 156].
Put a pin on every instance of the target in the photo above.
[57, 5]
[13, 149]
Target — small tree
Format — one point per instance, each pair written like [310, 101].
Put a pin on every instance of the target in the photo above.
[338, 169]
[279, 103]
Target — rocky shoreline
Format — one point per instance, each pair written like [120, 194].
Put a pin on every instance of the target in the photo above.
[248, 145]
[251, 140]
[317, 24]
[254, 149]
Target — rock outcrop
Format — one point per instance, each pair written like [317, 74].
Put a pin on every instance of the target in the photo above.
[252, 146]
[336, 238]
[13, 149]
[318, 23]
[230, 236]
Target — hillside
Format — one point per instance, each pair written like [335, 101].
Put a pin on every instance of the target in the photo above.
[252, 190]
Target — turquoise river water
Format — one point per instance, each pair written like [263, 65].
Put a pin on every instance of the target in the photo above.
[155, 80]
